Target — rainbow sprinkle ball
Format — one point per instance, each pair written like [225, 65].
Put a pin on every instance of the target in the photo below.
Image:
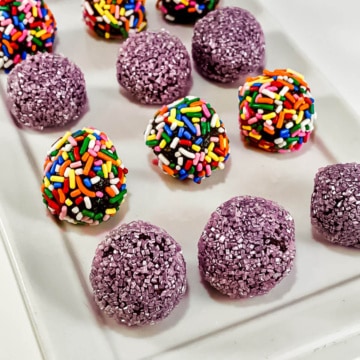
[113, 19]
[26, 27]
[84, 180]
[189, 139]
[276, 111]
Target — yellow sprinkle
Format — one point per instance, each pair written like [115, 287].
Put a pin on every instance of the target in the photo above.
[63, 140]
[106, 7]
[105, 171]
[109, 16]
[301, 76]
[300, 117]
[195, 147]
[172, 113]
[151, 137]
[56, 178]
[248, 99]
[195, 120]
[208, 158]
[47, 183]
[107, 35]
[213, 156]
[68, 202]
[162, 143]
[190, 109]
[99, 9]
[122, 11]
[211, 146]
[65, 155]
[255, 135]
[108, 165]
[109, 144]
[110, 211]
[40, 33]
[246, 127]
[290, 111]
[243, 116]
[269, 116]
[72, 183]
[34, 11]
[260, 79]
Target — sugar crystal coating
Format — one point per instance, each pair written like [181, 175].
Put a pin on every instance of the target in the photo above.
[114, 19]
[84, 180]
[188, 138]
[46, 90]
[185, 12]
[226, 43]
[154, 67]
[27, 27]
[138, 274]
[276, 111]
[335, 204]
[247, 247]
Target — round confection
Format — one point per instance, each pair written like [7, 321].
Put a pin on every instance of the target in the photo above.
[111, 19]
[46, 90]
[188, 138]
[138, 274]
[84, 180]
[185, 12]
[276, 111]
[335, 211]
[154, 67]
[247, 247]
[27, 27]
[227, 43]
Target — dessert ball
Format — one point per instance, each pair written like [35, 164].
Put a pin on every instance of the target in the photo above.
[27, 27]
[154, 67]
[138, 274]
[227, 43]
[247, 246]
[276, 111]
[185, 12]
[335, 211]
[114, 19]
[188, 138]
[46, 90]
[84, 180]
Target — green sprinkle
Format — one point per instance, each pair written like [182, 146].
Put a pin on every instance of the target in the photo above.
[109, 153]
[88, 213]
[48, 193]
[37, 41]
[114, 170]
[151, 143]
[312, 108]
[71, 156]
[166, 137]
[84, 145]
[118, 198]
[262, 106]
[98, 216]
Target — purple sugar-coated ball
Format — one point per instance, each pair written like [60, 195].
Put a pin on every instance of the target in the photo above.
[227, 43]
[46, 90]
[335, 204]
[247, 247]
[138, 274]
[154, 67]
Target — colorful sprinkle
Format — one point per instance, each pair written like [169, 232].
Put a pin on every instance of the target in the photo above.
[276, 111]
[83, 184]
[26, 27]
[113, 19]
[189, 139]
[185, 11]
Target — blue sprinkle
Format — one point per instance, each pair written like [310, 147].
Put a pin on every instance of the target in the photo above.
[189, 124]
[21, 26]
[58, 185]
[97, 168]
[187, 135]
[60, 160]
[122, 187]
[87, 182]
[199, 141]
[52, 170]
[307, 114]
[181, 132]
[5, 51]
[197, 179]
[284, 133]
[168, 130]
[6, 37]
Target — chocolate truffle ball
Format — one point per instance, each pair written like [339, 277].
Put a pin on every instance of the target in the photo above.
[84, 180]
[189, 139]
[114, 19]
[27, 27]
[227, 43]
[247, 246]
[276, 111]
[46, 90]
[154, 67]
[185, 12]
[335, 211]
[138, 274]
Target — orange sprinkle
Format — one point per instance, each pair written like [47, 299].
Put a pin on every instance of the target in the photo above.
[88, 164]
[85, 157]
[196, 103]
[168, 170]
[285, 83]
[83, 188]
[280, 121]
[103, 156]
[269, 131]
[64, 166]
[290, 97]
[110, 191]
[299, 101]
[304, 107]
[16, 36]
[264, 100]
[61, 196]
[75, 193]
[8, 46]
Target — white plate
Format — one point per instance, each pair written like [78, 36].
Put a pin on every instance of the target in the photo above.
[313, 313]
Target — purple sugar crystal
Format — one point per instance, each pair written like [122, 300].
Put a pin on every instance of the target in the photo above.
[227, 43]
[247, 246]
[46, 90]
[138, 274]
[154, 67]
[335, 204]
